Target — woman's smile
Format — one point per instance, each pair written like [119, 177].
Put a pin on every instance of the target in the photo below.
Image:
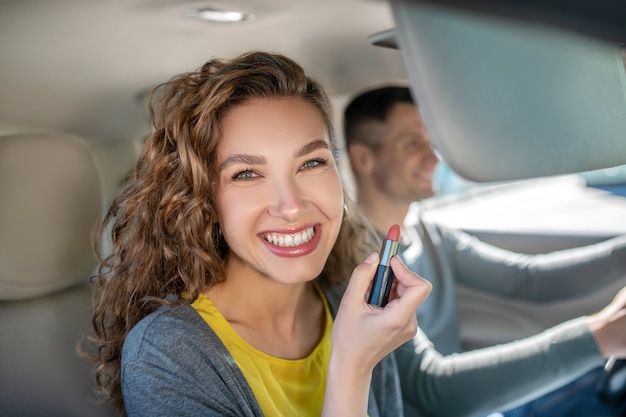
[291, 245]
[290, 239]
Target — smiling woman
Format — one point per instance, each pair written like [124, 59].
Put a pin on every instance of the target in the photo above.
[231, 246]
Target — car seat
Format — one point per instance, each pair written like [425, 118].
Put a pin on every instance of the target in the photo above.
[50, 201]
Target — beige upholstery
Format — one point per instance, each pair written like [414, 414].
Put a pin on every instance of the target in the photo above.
[50, 200]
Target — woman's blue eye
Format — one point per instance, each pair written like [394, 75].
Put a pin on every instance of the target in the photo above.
[313, 163]
[244, 175]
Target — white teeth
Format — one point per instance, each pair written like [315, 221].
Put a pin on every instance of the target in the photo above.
[293, 239]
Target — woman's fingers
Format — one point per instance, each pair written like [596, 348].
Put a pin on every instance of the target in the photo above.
[361, 278]
[411, 290]
[408, 285]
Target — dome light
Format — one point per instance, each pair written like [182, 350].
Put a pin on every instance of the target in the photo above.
[212, 14]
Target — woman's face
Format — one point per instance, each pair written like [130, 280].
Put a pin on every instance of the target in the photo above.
[280, 197]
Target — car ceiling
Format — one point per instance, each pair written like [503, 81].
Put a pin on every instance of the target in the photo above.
[83, 66]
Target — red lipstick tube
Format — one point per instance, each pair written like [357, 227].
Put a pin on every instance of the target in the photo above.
[381, 287]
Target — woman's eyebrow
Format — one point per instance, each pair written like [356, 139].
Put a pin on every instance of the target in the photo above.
[241, 158]
[312, 146]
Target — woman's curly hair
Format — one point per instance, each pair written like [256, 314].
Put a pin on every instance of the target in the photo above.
[161, 236]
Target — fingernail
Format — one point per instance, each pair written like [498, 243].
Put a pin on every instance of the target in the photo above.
[371, 258]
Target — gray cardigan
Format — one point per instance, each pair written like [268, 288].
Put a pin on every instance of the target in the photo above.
[173, 364]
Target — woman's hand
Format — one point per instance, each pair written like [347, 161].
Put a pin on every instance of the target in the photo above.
[363, 334]
[367, 333]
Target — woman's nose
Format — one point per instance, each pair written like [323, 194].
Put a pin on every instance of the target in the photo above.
[288, 202]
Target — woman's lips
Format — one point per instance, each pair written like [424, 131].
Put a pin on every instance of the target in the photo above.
[290, 245]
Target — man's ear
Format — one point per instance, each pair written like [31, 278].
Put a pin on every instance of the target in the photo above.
[361, 159]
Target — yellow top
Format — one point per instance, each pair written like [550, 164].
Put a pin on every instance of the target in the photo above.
[282, 387]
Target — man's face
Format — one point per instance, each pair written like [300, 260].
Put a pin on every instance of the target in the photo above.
[405, 161]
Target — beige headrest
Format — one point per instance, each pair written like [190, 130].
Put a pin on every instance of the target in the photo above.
[50, 201]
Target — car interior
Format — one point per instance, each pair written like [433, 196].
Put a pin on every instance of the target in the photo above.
[519, 98]
[46, 264]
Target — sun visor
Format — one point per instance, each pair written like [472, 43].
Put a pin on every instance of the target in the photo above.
[506, 99]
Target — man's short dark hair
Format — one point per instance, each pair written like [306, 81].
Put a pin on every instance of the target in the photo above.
[371, 105]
